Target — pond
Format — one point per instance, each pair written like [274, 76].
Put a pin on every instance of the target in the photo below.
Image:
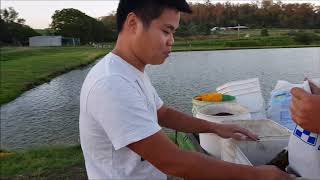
[48, 114]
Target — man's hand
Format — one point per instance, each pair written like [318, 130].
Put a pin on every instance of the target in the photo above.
[235, 132]
[173, 119]
[305, 108]
[272, 173]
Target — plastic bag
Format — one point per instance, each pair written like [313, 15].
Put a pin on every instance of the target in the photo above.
[304, 146]
[279, 105]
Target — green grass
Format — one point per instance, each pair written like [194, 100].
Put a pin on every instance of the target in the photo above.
[24, 67]
[59, 161]
[35, 162]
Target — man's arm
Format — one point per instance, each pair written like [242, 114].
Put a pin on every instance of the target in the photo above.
[164, 155]
[173, 119]
[170, 118]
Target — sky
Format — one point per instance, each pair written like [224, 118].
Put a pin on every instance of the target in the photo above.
[37, 13]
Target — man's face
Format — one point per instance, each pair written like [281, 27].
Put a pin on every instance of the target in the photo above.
[153, 44]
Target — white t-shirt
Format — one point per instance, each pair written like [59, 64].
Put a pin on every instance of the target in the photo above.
[118, 106]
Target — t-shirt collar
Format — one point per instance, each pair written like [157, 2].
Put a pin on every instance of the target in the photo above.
[128, 64]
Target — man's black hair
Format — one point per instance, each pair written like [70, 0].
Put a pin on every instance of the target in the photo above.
[147, 10]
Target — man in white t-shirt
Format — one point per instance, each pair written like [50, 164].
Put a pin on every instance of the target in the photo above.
[121, 114]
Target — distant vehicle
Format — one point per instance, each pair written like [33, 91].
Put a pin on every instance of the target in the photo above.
[228, 28]
[237, 27]
[217, 29]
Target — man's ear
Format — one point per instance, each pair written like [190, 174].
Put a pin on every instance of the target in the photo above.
[132, 22]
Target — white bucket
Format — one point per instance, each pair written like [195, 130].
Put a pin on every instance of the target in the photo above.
[211, 142]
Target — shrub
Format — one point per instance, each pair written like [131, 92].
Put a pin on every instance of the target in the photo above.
[291, 33]
[243, 43]
[264, 32]
[306, 38]
[316, 31]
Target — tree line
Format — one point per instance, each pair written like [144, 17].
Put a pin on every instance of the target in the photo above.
[74, 23]
[254, 15]
[12, 28]
[66, 22]
[266, 15]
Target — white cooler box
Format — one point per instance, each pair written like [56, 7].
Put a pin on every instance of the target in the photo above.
[273, 139]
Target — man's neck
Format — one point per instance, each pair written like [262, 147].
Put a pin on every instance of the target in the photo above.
[123, 50]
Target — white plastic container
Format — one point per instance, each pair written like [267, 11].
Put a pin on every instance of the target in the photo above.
[211, 142]
[273, 139]
[248, 94]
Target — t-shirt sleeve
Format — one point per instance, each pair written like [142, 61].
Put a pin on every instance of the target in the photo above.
[158, 100]
[122, 111]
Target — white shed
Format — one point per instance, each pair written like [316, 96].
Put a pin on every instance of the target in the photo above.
[45, 41]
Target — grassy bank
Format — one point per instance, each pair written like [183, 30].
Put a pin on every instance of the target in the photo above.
[58, 162]
[247, 34]
[251, 43]
[23, 67]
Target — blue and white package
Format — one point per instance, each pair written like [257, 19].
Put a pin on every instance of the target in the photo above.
[279, 108]
[304, 146]
[304, 153]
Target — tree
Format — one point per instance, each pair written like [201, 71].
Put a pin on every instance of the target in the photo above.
[13, 30]
[11, 15]
[111, 26]
[74, 23]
